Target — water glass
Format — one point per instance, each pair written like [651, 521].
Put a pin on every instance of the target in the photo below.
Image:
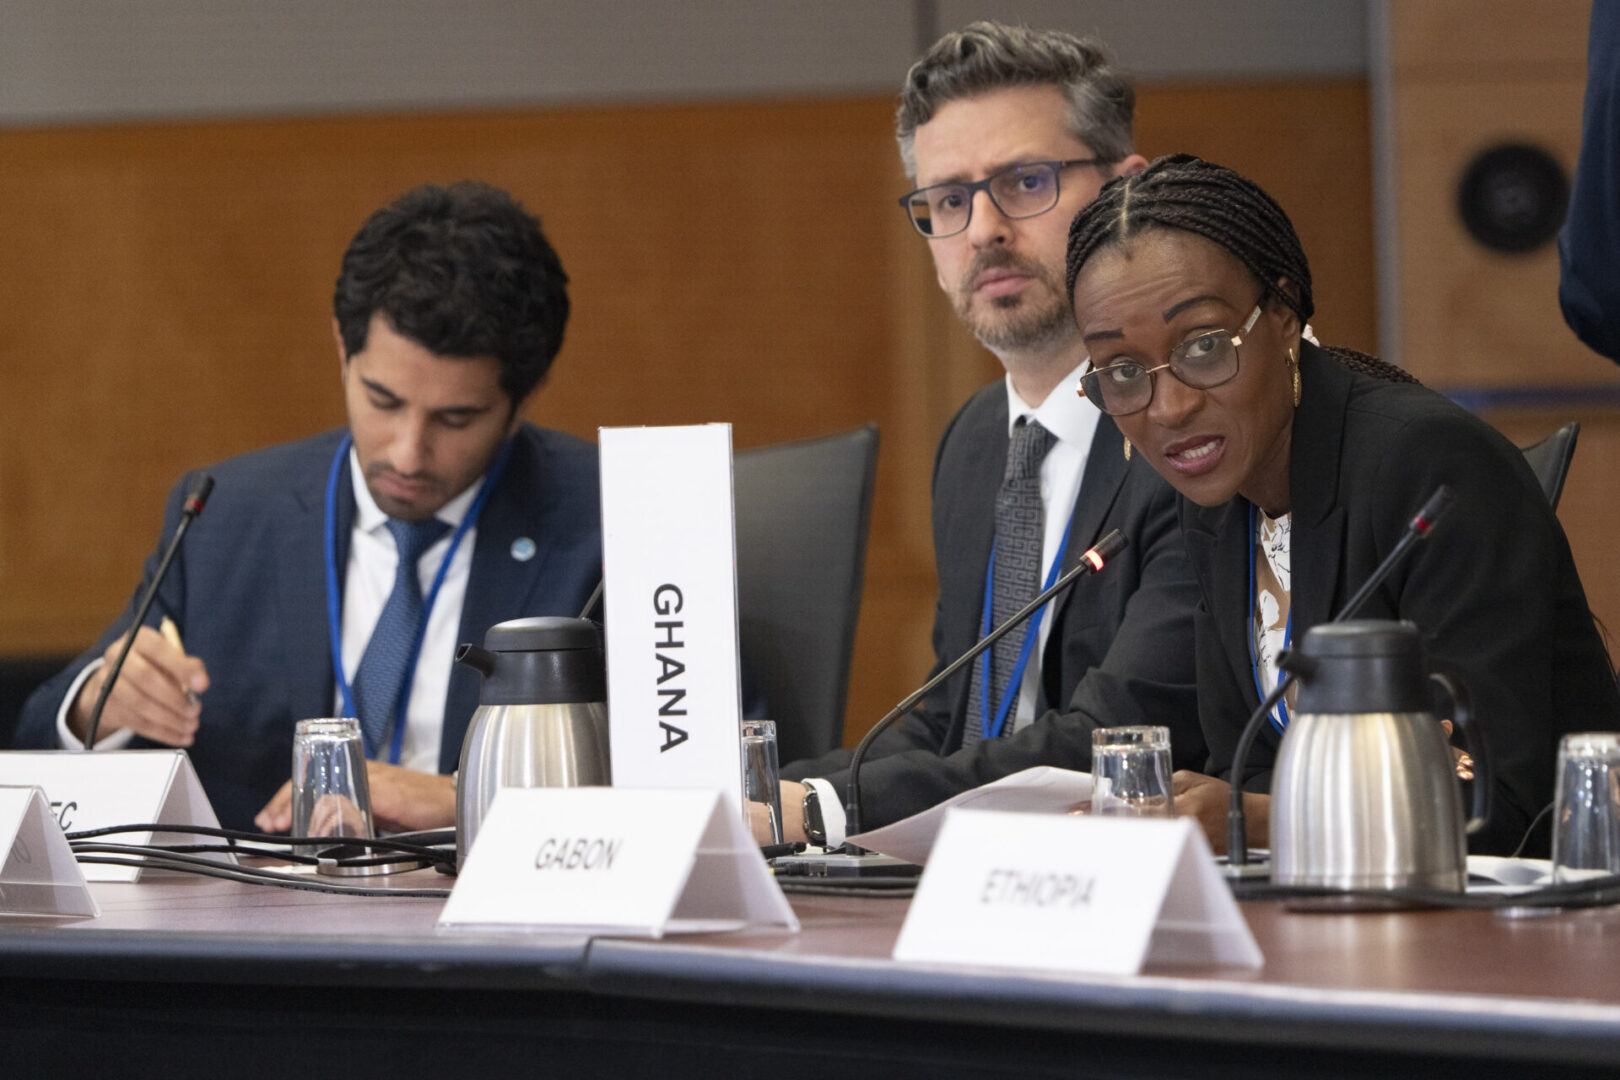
[762, 782]
[1586, 807]
[330, 794]
[1130, 772]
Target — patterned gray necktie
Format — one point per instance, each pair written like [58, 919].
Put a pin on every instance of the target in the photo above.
[379, 680]
[1020, 529]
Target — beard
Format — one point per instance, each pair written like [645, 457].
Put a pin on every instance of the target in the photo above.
[1036, 317]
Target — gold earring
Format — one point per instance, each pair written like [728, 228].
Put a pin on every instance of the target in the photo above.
[1293, 365]
[1127, 449]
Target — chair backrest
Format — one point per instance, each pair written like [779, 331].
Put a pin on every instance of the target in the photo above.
[802, 514]
[1549, 459]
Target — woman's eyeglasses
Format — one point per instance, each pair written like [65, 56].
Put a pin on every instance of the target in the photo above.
[1203, 362]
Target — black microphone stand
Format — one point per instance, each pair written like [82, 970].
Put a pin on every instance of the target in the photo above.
[188, 513]
[1295, 665]
[1093, 560]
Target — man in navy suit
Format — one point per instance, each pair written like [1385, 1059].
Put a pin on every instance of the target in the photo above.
[288, 594]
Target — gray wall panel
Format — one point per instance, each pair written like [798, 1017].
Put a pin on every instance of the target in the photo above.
[1200, 39]
[88, 60]
[94, 59]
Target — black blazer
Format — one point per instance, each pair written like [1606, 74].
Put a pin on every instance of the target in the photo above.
[248, 594]
[1494, 588]
[1120, 649]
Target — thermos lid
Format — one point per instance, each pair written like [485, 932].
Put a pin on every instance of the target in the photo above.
[544, 633]
[1357, 638]
[1364, 666]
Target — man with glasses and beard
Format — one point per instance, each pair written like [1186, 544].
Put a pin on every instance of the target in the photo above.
[1007, 132]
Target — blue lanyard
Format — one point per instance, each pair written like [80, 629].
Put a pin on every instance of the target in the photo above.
[1279, 719]
[334, 602]
[1032, 634]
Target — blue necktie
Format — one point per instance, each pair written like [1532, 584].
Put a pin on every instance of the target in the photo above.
[380, 679]
[1020, 532]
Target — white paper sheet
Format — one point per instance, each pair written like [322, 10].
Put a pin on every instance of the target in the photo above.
[1043, 789]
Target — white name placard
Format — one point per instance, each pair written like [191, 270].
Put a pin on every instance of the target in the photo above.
[641, 863]
[1073, 893]
[116, 787]
[38, 874]
[669, 562]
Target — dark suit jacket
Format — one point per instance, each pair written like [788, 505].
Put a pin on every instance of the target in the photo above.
[1120, 649]
[1494, 589]
[248, 593]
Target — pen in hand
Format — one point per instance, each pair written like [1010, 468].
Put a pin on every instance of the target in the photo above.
[171, 634]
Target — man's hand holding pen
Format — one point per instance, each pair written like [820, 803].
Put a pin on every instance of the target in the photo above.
[156, 695]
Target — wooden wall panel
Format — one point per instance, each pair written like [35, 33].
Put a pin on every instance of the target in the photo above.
[1588, 509]
[1308, 145]
[1466, 75]
[165, 301]
[1471, 316]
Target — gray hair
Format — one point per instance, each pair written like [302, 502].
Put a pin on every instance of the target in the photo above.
[987, 56]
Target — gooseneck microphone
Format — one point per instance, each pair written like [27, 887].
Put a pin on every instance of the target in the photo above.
[1237, 844]
[188, 513]
[1093, 560]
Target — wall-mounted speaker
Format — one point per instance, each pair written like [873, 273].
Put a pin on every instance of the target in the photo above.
[1512, 197]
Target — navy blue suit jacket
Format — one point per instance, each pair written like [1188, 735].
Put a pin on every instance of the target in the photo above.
[248, 593]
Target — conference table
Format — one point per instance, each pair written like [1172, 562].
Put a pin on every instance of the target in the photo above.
[185, 976]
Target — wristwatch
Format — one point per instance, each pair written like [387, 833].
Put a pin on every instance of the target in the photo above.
[815, 826]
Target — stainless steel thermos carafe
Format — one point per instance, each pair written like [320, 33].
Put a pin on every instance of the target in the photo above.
[541, 719]
[1365, 793]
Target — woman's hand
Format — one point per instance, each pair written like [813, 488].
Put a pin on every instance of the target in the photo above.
[1205, 799]
[1463, 763]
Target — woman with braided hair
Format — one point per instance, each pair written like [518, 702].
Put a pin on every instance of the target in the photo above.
[1191, 292]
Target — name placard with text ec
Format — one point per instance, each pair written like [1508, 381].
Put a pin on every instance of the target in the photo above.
[102, 788]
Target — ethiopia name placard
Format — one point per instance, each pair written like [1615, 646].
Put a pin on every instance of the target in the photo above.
[669, 567]
[1073, 893]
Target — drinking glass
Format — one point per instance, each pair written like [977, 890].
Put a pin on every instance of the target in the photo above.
[1586, 807]
[1130, 772]
[330, 795]
[762, 786]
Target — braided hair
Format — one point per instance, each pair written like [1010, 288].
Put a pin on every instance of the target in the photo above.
[1231, 211]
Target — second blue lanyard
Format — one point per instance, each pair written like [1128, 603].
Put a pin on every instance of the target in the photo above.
[1015, 679]
[334, 602]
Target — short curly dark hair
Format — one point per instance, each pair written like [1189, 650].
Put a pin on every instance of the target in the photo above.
[462, 271]
[984, 57]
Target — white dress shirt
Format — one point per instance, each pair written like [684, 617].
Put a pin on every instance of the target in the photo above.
[367, 582]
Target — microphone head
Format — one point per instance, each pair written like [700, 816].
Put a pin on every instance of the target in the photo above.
[199, 496]
[1105, 549]
[1437, 504]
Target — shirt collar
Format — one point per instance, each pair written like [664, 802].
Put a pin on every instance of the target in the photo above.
[368, 516]
[1064, 413]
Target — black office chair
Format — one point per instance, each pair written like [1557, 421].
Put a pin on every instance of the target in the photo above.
[20, 676]
[1549, 459]
[803, 510]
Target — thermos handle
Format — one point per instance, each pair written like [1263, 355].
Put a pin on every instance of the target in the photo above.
[1462, 717]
